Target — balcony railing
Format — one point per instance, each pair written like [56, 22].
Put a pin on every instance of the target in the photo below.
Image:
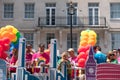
[83, 22]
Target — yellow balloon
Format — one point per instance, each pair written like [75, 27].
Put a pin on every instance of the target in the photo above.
[84, 38]
[3, 29]
[92, 37]
[9, 28]
[84, 33]
[15, 30]
[92, 33]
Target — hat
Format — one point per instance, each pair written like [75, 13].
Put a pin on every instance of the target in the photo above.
[28, 45]
[70, 49]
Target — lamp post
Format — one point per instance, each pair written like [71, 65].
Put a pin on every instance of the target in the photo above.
[71, 11]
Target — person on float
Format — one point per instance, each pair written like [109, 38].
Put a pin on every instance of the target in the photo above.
[99, 56]
[65, 59]
[40, 54]
[28, 57]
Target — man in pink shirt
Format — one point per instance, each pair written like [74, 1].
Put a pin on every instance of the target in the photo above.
[40, 54]
[73, 61]
[72, 55]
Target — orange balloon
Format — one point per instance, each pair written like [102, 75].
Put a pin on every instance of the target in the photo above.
[83, 43]
[4, 34]
[91, 42]
[14, 39]
[12, 36]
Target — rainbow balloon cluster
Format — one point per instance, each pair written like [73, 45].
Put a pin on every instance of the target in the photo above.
[10, 32]
[87, 39]
[8, 35]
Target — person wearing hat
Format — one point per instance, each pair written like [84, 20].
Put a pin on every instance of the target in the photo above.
[72, 55]
[73, 60]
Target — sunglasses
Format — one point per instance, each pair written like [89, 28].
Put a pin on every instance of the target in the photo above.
[112, 54]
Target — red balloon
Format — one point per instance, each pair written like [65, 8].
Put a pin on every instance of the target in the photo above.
[81, 62]
[6, 47]
[1, 42]
[82, 55]
[6, 40]
[1, 49]
[3, 55]
[87, 47]
[81, 49]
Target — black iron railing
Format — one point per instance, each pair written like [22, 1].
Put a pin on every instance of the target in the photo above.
[89, 22]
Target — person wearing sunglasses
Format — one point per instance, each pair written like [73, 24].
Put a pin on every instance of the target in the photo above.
[112, 57]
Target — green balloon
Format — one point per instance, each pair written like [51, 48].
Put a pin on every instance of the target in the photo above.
[18, 35]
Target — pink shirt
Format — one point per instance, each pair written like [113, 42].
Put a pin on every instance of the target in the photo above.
[13, 61]
[44, 55]
[28, 57]
[73, 59]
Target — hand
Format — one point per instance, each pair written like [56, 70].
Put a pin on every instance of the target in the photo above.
[44, 65]
[33, 63]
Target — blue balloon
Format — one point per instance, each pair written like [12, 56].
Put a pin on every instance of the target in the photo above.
[11, 47]
[16, 46]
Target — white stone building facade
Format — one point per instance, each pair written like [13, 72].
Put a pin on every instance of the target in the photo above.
[41, 20]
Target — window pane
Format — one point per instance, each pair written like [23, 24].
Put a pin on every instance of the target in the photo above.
[49, 36]
[74, 41]
[50, 13]
[115, 10]
[93, 13]
[29, 10]
[115, 40]
[29, 38]
[8, 10]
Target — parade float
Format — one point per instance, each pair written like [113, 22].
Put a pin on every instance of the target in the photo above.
[11, 38]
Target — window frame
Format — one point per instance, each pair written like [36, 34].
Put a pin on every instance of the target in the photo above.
[48, 39]
[28, 34]
[8, 12]
[74, 40]
[113, 18]
[116, 40]
[29, 11]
